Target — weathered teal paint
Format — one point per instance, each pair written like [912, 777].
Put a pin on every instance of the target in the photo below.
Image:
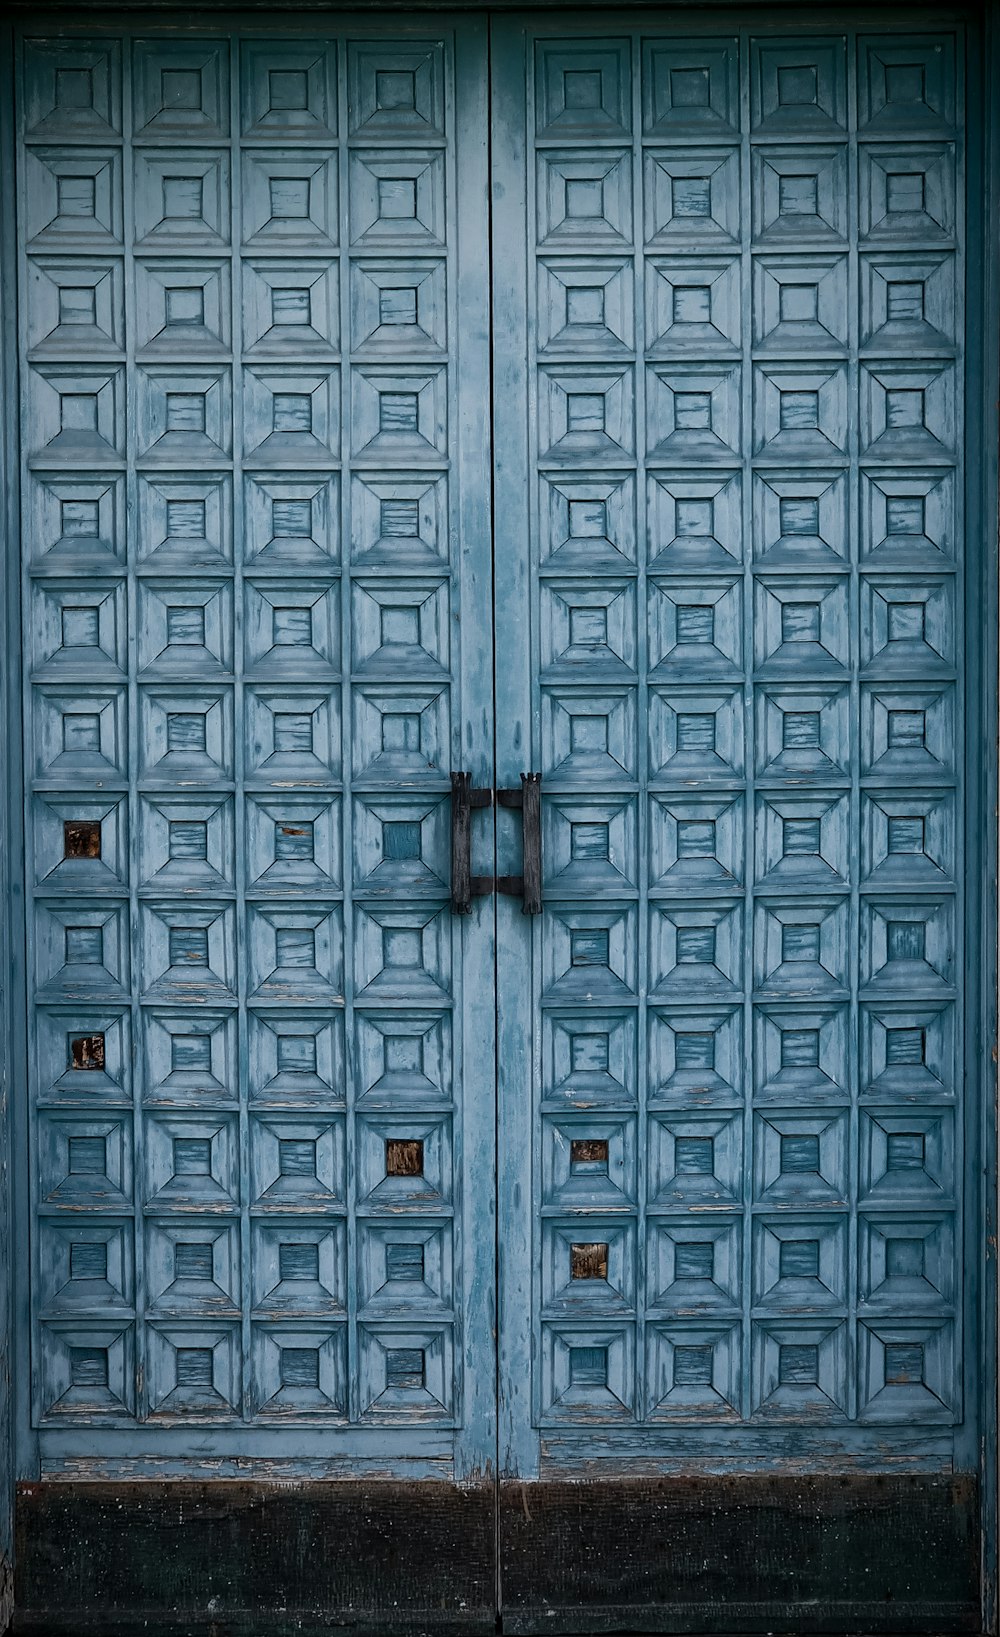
[740, 623]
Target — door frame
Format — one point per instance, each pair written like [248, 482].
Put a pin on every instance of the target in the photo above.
[982, 499]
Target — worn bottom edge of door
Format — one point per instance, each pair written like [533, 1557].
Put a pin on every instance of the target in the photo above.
[887, 1555]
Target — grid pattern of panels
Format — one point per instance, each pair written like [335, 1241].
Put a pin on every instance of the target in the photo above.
[237, 309]
[746, 423]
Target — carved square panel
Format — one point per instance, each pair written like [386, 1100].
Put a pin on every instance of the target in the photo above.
[182, 198]
[185, 629]
[800, 520]
[586, 413]
[300, 1268]
[908, 1158]
[398, 308]
[293, 845]
[801, 946]
[296, 1058]
[404, 1162]
[397, 90]
[691, 197]
[907, 945]
[693, 522]
[803, 730]
[73, 198]
[291, 416]
[292, 522]
[78, 415]
[75, 309]
[85, 1267]
[193, 1371]
[293, 737]
[588, 1163]
[908, 1052]
[406, 1371]
[690, 87]
[907, 411]
[908, 193]
[798, 87]
[193, 1268]
[588, 735]
[402, 845]
[399, 414]
[290, 308]
[404, 1059]
[589, 1060]
[72, 89]
[908, 839]
[693, 1372]
[801, 627]
[801, 1160]
[87, 1371]
[589, 844]
[188, 952]
[801, 1055]
[291, 630]
[695, 629]
[81, 952]
[401, 733]
[84, 1056]
[696, 1057]
[695, 1160]
[397, 200]
[908, 300]
[290, 200]
[188, 734]
[186, 844]
[583, 88]
[84, 1162]
[78, 632]
[184, 414]
[183, 307]
[589, 954]
[696, 842]
[79, 735]
[800, 303]
[800, 411]
[288, 90]
[696, 734]
[295, 953]
[588, 627]
[189, 1058]
[588, 1265]
[907, 730]
[584, 305]
[908, 520]
[800, 1264]
[191, 1163]
[299, 1372]
[692, 413]
[802, 840]
[405, 1270]
[298, 1163]
[907, 1371]
[584, 201]
[180, 90]
[76, 524]
[399, 521]
[906, 1262]
[800, 193]
[587, 1372]
[185, 523]
[694, 1267]
[906, 86]
[400, 628]
[799, 1369]
[403, 954]
[588, 522]
[692, 306]
[697, 949]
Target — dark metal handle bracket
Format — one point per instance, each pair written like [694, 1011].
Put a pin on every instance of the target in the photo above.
[464, 885]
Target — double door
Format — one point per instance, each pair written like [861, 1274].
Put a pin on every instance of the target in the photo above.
[593, 409]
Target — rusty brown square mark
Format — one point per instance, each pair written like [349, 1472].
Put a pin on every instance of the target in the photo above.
[87, 1051]
[81, 838]
[588, 1151]
[588, 1261]
[404, 1157]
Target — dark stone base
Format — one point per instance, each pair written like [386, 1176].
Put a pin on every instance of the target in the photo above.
[885, 1556]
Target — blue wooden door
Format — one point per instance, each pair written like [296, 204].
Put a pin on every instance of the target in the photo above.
[256, 583]
[730, 553]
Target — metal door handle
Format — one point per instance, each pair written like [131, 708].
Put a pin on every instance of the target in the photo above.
[529, 885]
[464, 885]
